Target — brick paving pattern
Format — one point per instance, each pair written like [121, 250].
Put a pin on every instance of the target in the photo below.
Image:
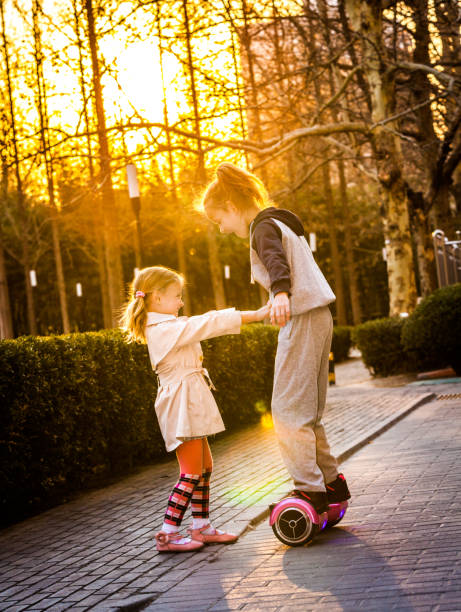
[97, 551]
[397, 548]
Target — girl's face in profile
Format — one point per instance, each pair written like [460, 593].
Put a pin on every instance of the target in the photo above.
[229, 219]
[168, 301]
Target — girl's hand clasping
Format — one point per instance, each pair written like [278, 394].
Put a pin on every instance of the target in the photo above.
[280, 310]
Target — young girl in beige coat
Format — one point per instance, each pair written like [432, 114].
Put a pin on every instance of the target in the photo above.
[186, 410]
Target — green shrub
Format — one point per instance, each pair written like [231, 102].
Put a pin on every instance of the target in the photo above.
[432, 334]
[79, 408]
[242, 370]
[341, 342]
[381, 347]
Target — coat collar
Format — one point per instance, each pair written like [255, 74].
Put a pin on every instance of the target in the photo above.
[158, 317]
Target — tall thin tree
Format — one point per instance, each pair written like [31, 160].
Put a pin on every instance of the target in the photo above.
[334, 86]
[341, 312]
[213, 255]
[179, 218]
[6, 323]
[366, 17]
[25, 259]
[113, 262]
[42, 108]
[99, 239]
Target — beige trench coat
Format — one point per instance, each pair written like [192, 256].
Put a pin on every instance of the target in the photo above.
[185, 406]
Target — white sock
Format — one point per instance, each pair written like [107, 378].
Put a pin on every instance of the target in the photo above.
[167, 528]
[198, 523]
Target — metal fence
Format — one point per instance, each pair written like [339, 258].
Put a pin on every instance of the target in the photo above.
[447, 258]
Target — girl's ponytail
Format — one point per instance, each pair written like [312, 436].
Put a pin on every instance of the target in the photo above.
[133, 319]
[243, 189]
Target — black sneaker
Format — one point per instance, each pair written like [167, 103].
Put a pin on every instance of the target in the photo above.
[318, 499]
[337, 490]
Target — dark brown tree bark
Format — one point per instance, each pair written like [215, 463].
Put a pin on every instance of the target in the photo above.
[213, 255]
[367, 20]
[112, 258]
[178, 217]
[99, 242]
[341, 311]
[252, 91]
[6, 323]
[25, 259]
[349, 246]
[41, 99]
[337, 116]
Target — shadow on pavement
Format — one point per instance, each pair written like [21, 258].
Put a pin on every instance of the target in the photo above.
[346, 571]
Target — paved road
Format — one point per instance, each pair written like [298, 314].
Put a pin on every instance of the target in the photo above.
[97, 551]
[398, 547]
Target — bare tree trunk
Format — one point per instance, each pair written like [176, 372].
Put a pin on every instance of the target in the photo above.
[349, 247]
[367, 18]
[44, 138]
[110, 223]
[421, 90]
[424, 251]
[6, 323]
[20, 194]
[336, 116]
[101, 263]
[240, 100]
[178, 220]
[213, 255]
[245, 39]
[341, 311]
[252, 97]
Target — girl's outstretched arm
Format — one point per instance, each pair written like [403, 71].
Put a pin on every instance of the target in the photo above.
[251, 316]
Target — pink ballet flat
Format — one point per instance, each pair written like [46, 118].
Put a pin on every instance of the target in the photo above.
[171, 542]
[217, 537]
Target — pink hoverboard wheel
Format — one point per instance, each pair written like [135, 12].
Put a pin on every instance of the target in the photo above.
[295, 522]
[336, 513]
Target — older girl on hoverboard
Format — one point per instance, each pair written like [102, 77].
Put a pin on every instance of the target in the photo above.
[282, 262]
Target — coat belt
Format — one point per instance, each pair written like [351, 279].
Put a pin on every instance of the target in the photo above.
[179, 374]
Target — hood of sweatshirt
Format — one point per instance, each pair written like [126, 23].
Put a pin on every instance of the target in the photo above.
[281, 214]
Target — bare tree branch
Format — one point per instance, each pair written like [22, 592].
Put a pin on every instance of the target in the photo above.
[443, 77]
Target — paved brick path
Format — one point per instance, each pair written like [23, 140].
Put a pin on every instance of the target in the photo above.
[98, 550]
[398, 547]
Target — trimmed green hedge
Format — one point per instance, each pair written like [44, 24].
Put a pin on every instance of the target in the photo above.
[381, 347]
[78, 409]
[429, 338]
[341, 342]
[432, 334]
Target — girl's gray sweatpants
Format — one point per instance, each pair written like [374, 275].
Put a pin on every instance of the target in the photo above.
[299, 396]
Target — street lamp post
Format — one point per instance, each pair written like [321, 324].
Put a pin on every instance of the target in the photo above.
[133, 191]
[33, 278]
[80, 309]
[227, 283]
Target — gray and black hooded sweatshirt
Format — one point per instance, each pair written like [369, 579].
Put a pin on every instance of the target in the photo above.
[281, 260]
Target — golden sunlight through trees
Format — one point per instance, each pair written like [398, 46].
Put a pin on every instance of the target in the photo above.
[359, 135]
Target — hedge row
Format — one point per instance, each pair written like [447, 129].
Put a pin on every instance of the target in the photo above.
[78, 409]
[341, 342]
[429, 338]
[379, 341]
